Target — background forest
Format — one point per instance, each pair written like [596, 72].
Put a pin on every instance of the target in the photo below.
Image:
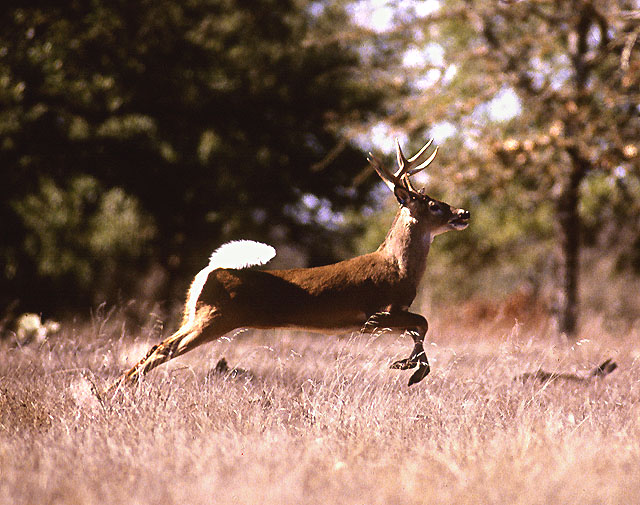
[136, 137]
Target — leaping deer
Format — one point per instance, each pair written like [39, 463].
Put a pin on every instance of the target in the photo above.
[363, 293]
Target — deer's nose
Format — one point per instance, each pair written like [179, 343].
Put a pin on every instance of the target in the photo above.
[464, 214]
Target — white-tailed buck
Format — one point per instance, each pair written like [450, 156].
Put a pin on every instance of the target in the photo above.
[367, 292]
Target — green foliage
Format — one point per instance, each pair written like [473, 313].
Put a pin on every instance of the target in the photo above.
[215, 117]
[73, 231]
[503, 250]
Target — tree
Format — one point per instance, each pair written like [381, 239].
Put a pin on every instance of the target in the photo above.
[571, 68]
[206, 120]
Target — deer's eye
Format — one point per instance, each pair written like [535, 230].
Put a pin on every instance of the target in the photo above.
[435, 208]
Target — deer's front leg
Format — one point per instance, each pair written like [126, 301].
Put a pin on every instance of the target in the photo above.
[416, 326]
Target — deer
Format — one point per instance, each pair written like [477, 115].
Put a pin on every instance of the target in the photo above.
[363, 293]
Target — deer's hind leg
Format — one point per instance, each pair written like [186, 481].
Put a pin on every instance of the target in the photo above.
[208, 325]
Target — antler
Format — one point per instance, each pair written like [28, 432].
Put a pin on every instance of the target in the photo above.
[407, 167]
[414, 164]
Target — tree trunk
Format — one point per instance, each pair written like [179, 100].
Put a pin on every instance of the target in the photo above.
[570, 235]
[568, 217]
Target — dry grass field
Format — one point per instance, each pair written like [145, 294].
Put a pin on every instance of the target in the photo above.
[319, 419]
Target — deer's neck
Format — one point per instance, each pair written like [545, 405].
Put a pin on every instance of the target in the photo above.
[407, 245]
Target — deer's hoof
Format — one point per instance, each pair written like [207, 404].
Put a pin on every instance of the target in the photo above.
[419, 374]
[403, 364]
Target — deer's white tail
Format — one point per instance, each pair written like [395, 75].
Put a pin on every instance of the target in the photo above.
[236, 254]
[241, 254]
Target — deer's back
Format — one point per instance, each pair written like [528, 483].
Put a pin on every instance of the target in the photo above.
[339, 295]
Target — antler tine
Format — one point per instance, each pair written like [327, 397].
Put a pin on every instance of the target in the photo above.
[413, 165]
[415, 158]
[389, 179]
[403, 163]
[406, 167]
[424, 164]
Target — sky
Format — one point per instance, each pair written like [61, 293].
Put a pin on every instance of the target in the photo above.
[379, 14]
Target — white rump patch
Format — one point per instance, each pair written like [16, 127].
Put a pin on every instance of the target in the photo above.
[241, 254]
[237, 254]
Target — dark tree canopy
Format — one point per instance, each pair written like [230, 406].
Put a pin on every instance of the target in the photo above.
[145, 132]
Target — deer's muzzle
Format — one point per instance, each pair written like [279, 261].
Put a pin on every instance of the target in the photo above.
[461, 219]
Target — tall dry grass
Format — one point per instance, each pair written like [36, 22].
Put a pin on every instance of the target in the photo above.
[320, 419]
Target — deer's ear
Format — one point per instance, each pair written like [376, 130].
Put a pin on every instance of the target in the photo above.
[402, 194]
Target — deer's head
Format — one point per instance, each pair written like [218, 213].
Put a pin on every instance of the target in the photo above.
[435, 215]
